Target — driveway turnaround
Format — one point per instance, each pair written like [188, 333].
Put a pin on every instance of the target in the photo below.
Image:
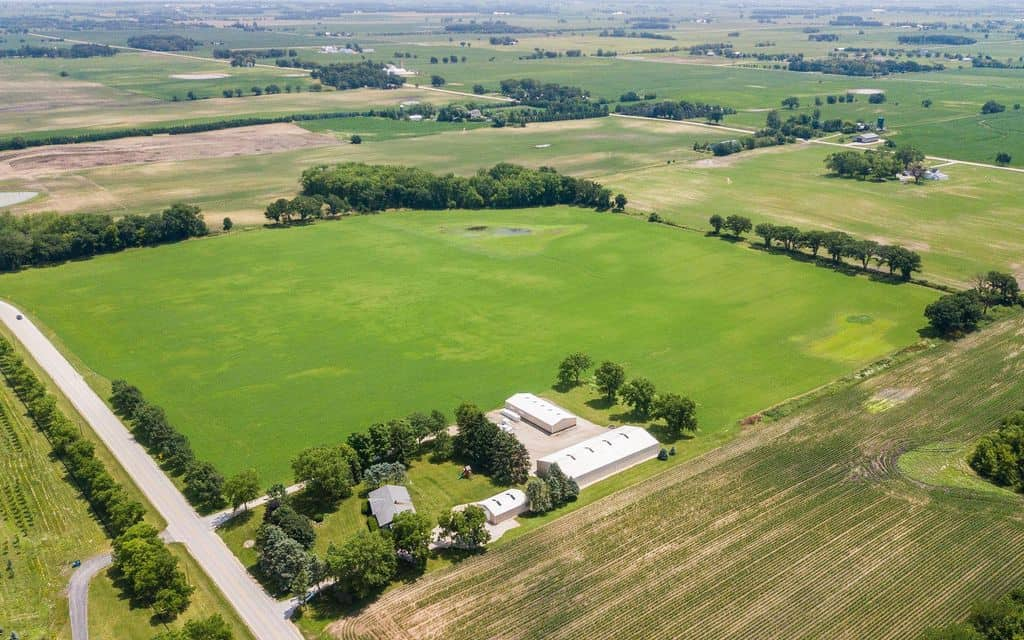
[78, 594]
[264, 616]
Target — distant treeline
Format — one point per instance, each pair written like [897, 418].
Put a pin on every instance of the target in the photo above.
[48, 238]
[362, 187]
[163, 42]
[74, 51]
[622, 33]
[227, 54]
[854, 21]
[355, 75]
[936, 38]
[549, 101]
[109, 500]
[491, 26]
[19, 142]
[862, 67]
[682, 110]
[823, 37]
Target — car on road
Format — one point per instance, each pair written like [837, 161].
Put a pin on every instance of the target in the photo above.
[18, 317]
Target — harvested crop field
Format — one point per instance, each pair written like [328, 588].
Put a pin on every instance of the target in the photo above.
[199, 76]
[802, 528]
[272, 138]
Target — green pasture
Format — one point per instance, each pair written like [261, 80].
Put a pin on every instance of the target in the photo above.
[259, 344]
[962, 226]
[379, 129]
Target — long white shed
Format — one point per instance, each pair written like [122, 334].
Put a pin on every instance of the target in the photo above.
[602, 456]
[540, 412]
[505, 505]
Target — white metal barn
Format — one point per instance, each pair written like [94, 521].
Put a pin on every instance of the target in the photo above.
[603, 455]
[540, 412]
[505, 505]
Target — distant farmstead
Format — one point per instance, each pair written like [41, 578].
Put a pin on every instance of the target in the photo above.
[867, 138]
[388, 501]
[539, 412]
[603, 455]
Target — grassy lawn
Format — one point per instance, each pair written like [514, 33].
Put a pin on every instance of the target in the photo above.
[111, 616]
[962, 226]
[44, 526]
[316, 332]
[945, 465]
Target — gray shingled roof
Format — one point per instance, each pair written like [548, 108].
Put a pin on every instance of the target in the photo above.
[388, 501]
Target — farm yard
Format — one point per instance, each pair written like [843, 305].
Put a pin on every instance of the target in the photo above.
[218, 331]
[801, 528]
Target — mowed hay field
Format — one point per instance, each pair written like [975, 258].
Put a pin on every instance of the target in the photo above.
[802, 528]
[261, 343]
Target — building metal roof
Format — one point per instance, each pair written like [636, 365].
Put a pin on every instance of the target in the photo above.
[600, 451]
[506, 501]
[531, 406]
[388, 501]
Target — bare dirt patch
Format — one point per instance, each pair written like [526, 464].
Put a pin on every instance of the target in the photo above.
[273, 138]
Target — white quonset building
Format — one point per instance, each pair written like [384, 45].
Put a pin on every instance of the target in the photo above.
[540, 412]
[603, 455]
[505, 505]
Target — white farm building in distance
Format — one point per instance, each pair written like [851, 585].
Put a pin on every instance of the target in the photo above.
[539, 412]
[602, 456]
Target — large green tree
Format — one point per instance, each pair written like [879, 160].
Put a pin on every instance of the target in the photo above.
[327, 472]
[412, 533]
[639, 394]
[465, 528]
[609, 377]
[572, 368]
[363, 564]
[242, 488]
[679, 413]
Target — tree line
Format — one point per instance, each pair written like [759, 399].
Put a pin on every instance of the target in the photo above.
[958, 313]
[678, 412]
[109, 500]
[671, 110]
[363, 188]
[837, 244]
[204, 485]
[999, 457]
[144, 568]
[549, 102]
[877, 164]
[49, 238]
[861, 66]
[20, 142]
[162, 42]
[74, 51]
[355, 75]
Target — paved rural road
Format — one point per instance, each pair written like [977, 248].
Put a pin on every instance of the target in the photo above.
[78, 594]
[264, 616]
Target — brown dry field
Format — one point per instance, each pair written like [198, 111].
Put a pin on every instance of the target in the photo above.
[800, 528]
[34, 162]
[39, 101]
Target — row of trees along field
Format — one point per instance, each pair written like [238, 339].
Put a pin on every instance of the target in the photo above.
[74, 51]
[1001, 619]
[204, 486]
[547, 102]
[999, 457]
[48, 238]
[393, 113]
[144, 568]
[354, 186]
[838, 244]
[958, 313]
[678, 412]
[355, 75]
[877, 164]
[367, 460]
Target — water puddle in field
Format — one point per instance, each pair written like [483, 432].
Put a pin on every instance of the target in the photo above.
[500, 231]
[8, 198]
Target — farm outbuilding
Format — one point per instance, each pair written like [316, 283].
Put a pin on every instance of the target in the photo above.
[867, 138]
[388, 501]
[603, 455]
[505, 505]
[540, 412]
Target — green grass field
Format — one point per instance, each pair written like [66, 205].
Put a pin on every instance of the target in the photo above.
[316, 332]
[801, 528]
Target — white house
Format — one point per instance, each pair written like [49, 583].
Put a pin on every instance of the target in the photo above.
[505, 505]
[540, 412]
[603, 455]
